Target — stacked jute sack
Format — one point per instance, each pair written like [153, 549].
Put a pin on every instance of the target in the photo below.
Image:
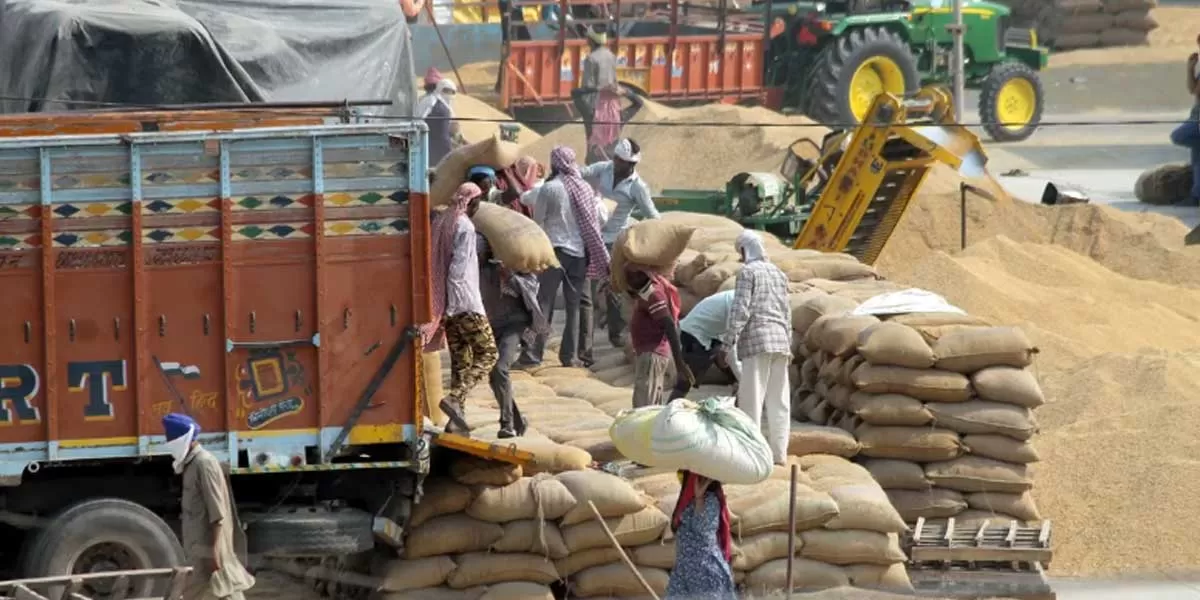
[940, 403]
[485, 532]
[846, 530]
[1072, 24]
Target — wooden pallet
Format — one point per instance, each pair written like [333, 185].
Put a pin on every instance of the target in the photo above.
[985, 560]
[70, 586]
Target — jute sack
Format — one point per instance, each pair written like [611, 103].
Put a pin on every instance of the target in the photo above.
[930, 504]
[557, 371]
[1020, 506]
[709, 281]
[687, 301]
[1000, 447]
[518, 590]
[613, 496]
[1009, 385]
[599, 447]
[485, 568]
[975, 518]
[729, 284]
[892, 578]
[806, 575]
[434, 593]
[892, 474]
[969, 350]
[851, 547]
[549, 457]
[529, 498]
[840, 336]
[804, 315]
[1088, 23]
[821, 413]
[662, 484]
[829, 370]
[754, 550]
[825, 466]
[452, 170]
[863, 506]
[561, 435]
[451, 534]
[889, 409]
[516, 241]
[403, 575]
[614, 579]
[978, 474]
[767, 510]
[431, 383]
[655, 554]
[1137, 20]
[592, 557]
[980, 416]
[937, 319]
[930, 385]
[846, 376]
[1124, 37]
[920, 444]
[442, 496]
[533, 536]
[806, 438]
[685, 258]
[836, 270]
[635, 529]
[655, 242]
[889, 343]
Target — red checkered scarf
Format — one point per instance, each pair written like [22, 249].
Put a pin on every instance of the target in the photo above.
[445, 225]
[583, 203]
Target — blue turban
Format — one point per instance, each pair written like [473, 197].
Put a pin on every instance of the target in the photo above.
[481, 170]
[177, 425]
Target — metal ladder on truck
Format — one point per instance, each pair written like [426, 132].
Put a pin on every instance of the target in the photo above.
[989, 559]
[866, 187]
[111, 585]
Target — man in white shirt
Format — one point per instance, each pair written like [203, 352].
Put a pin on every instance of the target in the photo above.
[700, 337]
[618, 179]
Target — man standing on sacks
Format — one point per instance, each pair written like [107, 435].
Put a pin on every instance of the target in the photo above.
[760, 330]
[566, 209]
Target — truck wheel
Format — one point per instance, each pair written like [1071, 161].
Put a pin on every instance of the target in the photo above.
[105, 534]
[855, 68]
[1010, 102]
[310, 532]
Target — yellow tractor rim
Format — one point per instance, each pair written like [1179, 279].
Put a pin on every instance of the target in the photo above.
[1015, 103]
[875, 76]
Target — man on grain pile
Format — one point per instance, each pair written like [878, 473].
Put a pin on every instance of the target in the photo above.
[760, 330]
[654, 333]
[213, 539]
[618, 179]
[459, 317]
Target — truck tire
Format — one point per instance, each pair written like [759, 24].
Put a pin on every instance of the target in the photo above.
[310, 532]
[1011, 101]
[104, 534]
[852, 69]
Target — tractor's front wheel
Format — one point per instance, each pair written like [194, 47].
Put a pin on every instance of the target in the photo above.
[1011, 101]
[855, 68]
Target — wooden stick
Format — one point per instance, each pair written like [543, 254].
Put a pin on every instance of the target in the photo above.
[624, 557]
[791, 528]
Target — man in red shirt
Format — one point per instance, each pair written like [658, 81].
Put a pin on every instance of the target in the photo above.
[654, 334]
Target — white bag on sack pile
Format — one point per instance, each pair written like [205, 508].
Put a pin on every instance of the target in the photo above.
[631, 431]
[712, 438]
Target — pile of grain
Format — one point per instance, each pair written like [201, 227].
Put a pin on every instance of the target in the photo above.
[467, 107]
[940, 403]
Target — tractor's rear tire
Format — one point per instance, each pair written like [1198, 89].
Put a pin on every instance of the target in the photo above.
[852, 69]
[1011, 101]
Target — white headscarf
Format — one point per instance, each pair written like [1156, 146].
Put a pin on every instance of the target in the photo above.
[444, 93]
[624, 151]
[751, 245]
[178, 448]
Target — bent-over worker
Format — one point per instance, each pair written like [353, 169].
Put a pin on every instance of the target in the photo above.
[700, 337]
[618, 179]
[514, 314]
[760, 329]
[654, 333]
[703, 542]
[459, 317]
[213, 539]
[1188, 134]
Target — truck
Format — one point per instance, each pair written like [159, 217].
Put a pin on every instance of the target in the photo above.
[263, 272]
[827, 60]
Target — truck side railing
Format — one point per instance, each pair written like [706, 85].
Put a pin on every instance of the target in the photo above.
[74, 587]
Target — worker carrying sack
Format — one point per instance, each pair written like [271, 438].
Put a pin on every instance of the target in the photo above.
[712, 438]
[451, 172]
[655, 243]
[516, 241]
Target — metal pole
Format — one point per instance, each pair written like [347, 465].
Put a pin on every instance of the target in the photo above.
[956, 66]
[962, 224]
[791, 525]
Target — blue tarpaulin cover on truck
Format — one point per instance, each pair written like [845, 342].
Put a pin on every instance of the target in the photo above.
[57, 54]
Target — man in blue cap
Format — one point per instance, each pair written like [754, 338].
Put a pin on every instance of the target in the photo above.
[484, 177]
[212, 536]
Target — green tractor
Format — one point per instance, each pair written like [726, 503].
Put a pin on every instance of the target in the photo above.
[831, 59]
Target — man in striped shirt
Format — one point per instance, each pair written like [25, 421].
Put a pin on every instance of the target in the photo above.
[760, 329]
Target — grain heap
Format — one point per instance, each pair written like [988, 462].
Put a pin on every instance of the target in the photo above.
[940, 403]
[1072, 24]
